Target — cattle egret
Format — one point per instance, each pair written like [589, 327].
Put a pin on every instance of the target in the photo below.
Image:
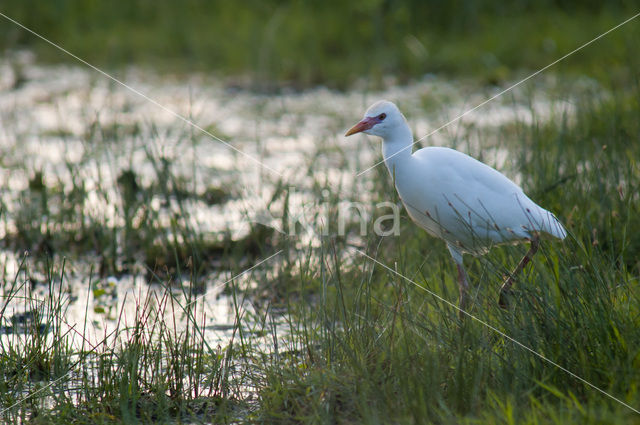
[456, 198]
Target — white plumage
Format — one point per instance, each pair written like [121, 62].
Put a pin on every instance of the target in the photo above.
[468, 204]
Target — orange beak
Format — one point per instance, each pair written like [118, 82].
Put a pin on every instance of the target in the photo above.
[363, 125]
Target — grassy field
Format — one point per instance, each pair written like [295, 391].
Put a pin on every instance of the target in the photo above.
[333, 336]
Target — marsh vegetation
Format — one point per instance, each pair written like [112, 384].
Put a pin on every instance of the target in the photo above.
[152, 274]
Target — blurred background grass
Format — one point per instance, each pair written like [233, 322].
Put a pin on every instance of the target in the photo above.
[298, 43]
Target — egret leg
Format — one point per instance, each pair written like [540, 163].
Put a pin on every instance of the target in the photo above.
[463, 285]
[506, 286]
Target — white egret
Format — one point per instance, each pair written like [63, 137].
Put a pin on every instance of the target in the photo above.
[454, 197]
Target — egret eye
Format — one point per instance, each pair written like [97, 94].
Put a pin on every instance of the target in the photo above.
[382, 116]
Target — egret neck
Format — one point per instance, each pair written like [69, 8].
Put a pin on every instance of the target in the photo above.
[396, 150]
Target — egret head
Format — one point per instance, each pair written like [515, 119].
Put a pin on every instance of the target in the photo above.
[382, 119]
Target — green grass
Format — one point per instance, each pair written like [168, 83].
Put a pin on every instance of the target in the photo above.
[379, 349]
[301, 44]
[364, 345]
[145, 370]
